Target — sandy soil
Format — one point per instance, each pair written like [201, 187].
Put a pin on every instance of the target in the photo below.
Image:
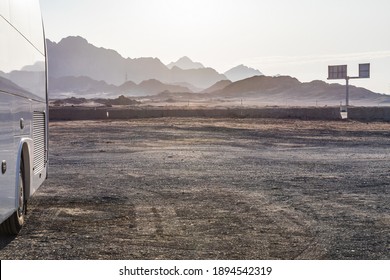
[211, 189]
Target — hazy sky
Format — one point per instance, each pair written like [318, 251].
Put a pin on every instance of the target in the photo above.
[298, 38]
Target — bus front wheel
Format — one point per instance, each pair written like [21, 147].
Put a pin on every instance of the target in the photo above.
[14, 223]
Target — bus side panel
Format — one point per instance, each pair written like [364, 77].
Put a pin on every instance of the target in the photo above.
[23, 100]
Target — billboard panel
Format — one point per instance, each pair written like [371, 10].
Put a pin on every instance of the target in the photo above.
[337, 72]
[364, 70]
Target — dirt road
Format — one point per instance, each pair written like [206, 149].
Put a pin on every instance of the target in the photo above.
[211, 189]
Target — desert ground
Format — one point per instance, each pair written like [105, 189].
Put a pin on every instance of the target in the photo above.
[200, 188]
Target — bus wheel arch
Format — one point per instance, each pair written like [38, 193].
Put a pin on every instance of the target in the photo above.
[25, 160]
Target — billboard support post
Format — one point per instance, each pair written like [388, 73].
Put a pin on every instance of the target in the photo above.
[337, 72]
[347, 92]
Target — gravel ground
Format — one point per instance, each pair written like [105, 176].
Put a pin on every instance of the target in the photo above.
[192, 188]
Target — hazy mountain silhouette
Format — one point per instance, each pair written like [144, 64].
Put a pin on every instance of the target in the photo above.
[189, 86]
[152, 86]
[82, 86]
[129, 88]
[78, 67]
[259, 84]
[202, 78]
[185, 63]
[289, 90]
[74, 56]
[241, 72]
[217, 86]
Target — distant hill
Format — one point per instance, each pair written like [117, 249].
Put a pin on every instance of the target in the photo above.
[87, 87]
[202, 78]
[81, 86]
[185, 63]
[152, 87]
[75, 56]
[218, 86]
[259, 85]
[241, 72]
[288, 90]
[121, 100]
[129, 88]
[189, 86]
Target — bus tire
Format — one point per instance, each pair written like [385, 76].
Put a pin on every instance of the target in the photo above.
[14, 224]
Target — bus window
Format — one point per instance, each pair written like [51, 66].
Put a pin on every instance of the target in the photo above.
[21, 64]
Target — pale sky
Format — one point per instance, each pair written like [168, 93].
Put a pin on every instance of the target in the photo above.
[299, 38]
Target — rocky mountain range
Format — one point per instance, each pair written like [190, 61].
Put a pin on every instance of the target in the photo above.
[75, 56]
[86, 87]
[288, 90]
[281, 90]
[185, 63]
[78, 68]
[241, 72]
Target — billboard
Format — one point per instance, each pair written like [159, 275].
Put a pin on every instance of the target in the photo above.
[337, 72]
[364, 70]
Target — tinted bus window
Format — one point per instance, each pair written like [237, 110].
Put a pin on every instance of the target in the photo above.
[22, 56]
[25, 16]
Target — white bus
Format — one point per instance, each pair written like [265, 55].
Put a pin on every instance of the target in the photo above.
[23, 109]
